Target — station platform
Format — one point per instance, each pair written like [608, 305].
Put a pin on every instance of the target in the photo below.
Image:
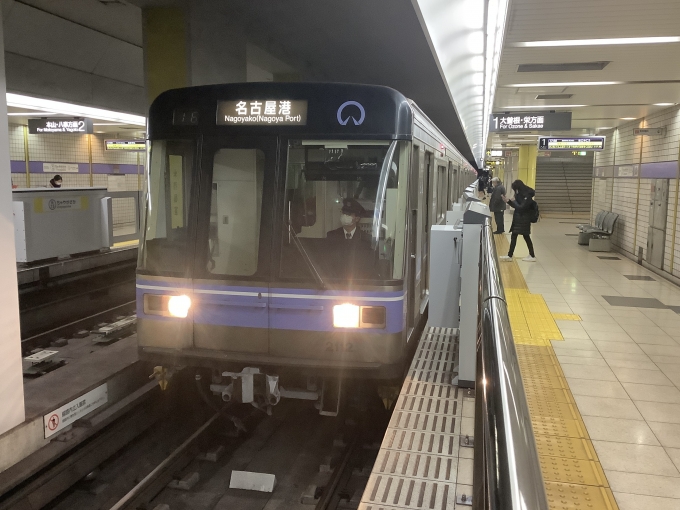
[598, 342]
[600, 358]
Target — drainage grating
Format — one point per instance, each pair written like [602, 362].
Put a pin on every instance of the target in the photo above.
[641, 278]
[607, 258]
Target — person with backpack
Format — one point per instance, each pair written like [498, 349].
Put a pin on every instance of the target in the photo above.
[526, 213]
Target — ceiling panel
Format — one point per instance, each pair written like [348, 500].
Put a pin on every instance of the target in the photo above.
[538, 20]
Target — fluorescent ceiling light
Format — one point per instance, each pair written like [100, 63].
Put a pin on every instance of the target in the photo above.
[503, 108]
[607, 127]
[628, 118]
[564, 84]
[665, 104]
[19, 101]
[30, 114]
[108, 124]
[597, 42]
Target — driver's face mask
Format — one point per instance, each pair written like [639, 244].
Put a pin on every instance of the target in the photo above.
[346, 220]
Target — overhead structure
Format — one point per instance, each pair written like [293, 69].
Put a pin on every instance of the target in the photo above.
[467, 38]
[561, 57]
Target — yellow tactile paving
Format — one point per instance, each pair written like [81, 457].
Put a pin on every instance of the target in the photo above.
[566, 317]
[567, 496]
[572, 473]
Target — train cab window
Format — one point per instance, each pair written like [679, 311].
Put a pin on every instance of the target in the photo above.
[235, 211]
[345, 210]
[166, 240]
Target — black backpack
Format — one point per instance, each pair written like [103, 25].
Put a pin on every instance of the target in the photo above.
[535, 213]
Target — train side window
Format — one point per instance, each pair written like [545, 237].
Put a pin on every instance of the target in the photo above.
[235, 211]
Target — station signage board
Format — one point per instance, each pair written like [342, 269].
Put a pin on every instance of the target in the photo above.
[494, 153]
[649, 131]
[65, 125]
[586, 143]
[529, 121]
[262, 112]
[125, 145]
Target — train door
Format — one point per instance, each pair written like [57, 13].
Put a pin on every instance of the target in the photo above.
[232, 267]
[426, 200]
[413, 299]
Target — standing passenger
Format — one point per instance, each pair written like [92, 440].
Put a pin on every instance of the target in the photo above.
[521, 219]
[497, 204]
[55, 182]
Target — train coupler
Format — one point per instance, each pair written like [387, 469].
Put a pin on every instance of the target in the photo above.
[250, 386]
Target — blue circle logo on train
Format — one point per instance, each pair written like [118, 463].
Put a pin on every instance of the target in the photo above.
[362, 116]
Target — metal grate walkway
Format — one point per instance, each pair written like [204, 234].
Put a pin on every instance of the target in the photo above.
[421, 463]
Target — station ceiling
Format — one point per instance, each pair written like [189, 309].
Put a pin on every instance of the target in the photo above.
[90, 51]
[624, 82]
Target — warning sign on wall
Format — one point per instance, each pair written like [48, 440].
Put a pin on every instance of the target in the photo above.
[81, 406]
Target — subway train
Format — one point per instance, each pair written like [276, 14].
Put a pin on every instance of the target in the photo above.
[285, 238]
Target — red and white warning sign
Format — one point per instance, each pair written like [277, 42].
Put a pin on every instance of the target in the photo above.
[68, 413]
[53, 421]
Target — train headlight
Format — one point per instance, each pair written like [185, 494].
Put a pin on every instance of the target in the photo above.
[178, 306]
[346, 316]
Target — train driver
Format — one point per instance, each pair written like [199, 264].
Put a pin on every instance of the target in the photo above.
[350, 215]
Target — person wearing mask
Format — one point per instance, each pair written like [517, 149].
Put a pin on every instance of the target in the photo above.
[350, 215]
[497, 204]
[523, 203]
[55, 182]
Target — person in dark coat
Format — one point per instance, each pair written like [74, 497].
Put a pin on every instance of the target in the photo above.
[497, 204]
[523, 204]
[350, 215]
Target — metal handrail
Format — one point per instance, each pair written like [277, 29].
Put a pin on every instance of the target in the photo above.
[507, 472]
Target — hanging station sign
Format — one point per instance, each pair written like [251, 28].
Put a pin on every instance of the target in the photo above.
[586, 143]
[262, 112]
[530, 121]
[125, 145]
[54, 125]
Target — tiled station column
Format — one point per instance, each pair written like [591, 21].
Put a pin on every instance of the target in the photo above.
[11, 377]
[527, 164]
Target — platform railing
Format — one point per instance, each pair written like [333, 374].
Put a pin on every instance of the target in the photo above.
[507, 472]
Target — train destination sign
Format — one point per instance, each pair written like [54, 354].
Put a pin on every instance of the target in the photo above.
[587, 143]
[262, 112]
[125, 145]
[60, 125]
[530, 121]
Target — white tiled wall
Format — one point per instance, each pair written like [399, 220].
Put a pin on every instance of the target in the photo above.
[619, 195]
[73, 149]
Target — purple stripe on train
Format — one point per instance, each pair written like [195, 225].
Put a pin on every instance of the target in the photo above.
[289, 309]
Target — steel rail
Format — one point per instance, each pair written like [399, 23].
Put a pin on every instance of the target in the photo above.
[158, 470]
[506, 466]
[40, 337]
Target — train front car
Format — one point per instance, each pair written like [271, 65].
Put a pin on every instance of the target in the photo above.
[275, 246]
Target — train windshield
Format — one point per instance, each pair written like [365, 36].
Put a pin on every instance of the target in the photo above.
[345, 210]
[167, 209]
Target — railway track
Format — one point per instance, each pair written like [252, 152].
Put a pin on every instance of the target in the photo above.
[319, 462]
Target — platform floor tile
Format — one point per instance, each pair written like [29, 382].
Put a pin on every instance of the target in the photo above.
[572, 473]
